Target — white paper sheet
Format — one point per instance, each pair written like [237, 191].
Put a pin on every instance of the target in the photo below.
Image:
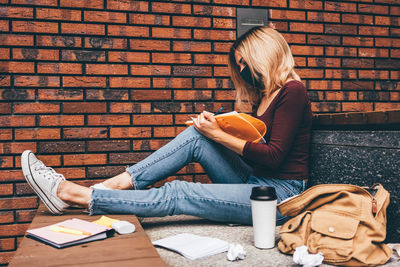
[193, 246]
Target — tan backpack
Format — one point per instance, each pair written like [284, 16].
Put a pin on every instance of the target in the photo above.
[346, 223]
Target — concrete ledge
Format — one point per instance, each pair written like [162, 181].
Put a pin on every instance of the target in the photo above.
[382, 118]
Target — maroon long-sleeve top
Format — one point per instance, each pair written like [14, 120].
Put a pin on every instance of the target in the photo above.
[288, 120]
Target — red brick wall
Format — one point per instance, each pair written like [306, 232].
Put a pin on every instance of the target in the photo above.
[94, 85]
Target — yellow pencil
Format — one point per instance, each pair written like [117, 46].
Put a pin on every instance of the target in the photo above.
[68, 230]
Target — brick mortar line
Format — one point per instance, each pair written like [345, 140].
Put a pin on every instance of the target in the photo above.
[105, 23]
[193, 14]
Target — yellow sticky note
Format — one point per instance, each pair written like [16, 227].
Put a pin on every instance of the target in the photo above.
[105, 221]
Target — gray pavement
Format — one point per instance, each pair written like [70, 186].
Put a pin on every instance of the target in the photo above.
[157, 228]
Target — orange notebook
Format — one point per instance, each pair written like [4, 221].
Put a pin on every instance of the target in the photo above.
[241, 125]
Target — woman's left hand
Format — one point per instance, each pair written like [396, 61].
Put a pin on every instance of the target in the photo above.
[207, 125]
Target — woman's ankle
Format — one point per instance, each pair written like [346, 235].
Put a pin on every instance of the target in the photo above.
[62, 190]
[74, 194]
[122, 181]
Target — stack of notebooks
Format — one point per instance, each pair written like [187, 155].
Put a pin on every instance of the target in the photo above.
[70, 232]
[193, 246]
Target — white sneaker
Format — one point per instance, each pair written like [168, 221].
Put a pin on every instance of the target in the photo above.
[44, 181]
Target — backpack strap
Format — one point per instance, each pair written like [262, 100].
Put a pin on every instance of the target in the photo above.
[382, 197]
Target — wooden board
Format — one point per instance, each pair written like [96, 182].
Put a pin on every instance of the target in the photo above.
[133, 249]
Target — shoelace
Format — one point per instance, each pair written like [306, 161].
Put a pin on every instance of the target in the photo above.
[48, 172]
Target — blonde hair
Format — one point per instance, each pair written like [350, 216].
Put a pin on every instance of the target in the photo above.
[270, 61]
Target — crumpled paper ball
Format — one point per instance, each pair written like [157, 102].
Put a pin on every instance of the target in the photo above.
[302, 257]
[236, 252]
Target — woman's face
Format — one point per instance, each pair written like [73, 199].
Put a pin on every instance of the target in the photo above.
[239, 61]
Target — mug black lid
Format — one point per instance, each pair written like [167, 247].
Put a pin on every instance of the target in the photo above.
[263, 193]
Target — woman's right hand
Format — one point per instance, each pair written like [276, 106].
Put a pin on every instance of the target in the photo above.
[207, 125]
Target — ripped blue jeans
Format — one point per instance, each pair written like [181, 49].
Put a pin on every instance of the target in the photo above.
[227, 199]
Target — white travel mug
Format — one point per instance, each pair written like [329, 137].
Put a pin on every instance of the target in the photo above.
[263, 210]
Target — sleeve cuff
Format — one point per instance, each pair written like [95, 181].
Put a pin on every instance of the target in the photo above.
[246, 149]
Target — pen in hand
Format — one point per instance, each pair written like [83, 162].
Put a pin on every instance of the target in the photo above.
[216, 113]
[219, 111]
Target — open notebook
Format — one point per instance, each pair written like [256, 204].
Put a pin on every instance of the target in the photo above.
[70, 232]
[193, 246]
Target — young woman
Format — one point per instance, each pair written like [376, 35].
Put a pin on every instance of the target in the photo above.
[262, 69]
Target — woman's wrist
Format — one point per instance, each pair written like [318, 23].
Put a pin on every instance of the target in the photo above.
[219, 135]
[233, 143]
